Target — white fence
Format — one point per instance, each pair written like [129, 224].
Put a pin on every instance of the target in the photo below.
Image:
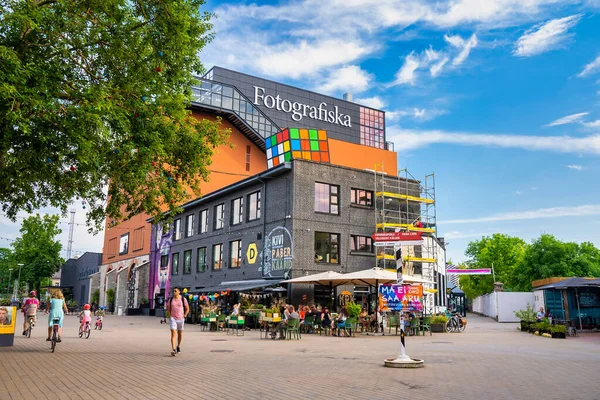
[502, 305]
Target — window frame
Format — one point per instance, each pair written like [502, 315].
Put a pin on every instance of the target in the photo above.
[189, 230]
[174, 257]
[185, 266]
[256, 209]
[354, 195]
[331, 196]
[237, 215]
[203, 222]
[219, 222]
[177, 229]
[214, 247]
[126, 249]
[198, 270]
[329, 253]
[239, 254]
[355, 241]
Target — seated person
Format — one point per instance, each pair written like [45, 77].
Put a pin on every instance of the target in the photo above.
[290, 314]
[365, 320]
[540, 315]
[340, 321]
[325, 318]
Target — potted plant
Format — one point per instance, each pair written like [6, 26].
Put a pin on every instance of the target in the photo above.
[558, 331]
[354, 310]
[527, 317]
[438, 323]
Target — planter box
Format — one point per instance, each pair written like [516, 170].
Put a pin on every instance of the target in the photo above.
[525, 326]
[559, 335]
[440, 328]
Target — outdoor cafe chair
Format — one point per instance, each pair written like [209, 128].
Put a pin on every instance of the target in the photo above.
[393, 322]
[292, 327]
[426, 325]
[414, 326]
[307, 324]
[350, 327]
[221, 322]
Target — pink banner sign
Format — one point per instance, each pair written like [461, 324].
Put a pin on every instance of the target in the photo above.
[400, 298]
[479, 271]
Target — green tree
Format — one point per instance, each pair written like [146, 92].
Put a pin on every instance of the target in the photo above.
[547, 257]
[503, 252]
[38, 249]
[6, 262]
[96, 94]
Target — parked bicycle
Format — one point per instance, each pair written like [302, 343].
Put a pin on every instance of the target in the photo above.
[54, 339]
[456, 323]
[85, 331]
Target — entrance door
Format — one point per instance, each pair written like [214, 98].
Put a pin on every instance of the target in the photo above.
[131, 290]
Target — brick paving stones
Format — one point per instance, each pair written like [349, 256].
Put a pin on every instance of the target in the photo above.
[129, 359]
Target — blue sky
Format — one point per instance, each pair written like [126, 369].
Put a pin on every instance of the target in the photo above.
[500, 98]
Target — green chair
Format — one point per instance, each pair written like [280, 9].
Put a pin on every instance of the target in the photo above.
[221, 322]
[350, 327]
[393, 322]
[231, 324]
[307, 324]
[426, 325]
[326, 328]
[292, 327]
[414, 326]
[317, 324]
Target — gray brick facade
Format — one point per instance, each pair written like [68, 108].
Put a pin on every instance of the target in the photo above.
[288, 201]
[76, 272]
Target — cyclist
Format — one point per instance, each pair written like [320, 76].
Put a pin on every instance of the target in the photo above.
[100, 314]
[86, 316]
[55, 308]
[30, 307]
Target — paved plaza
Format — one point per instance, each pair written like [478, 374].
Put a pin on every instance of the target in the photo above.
[129, 359]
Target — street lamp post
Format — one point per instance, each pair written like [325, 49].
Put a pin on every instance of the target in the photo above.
[19, 279]
[9, 278]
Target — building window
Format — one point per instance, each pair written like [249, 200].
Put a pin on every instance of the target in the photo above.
[361, 197]
[187, 262]
[201, 263]
[138, 239]
[235, 254]
[217, 256]
[327, 247]
[326, 198]
[248, 149]
[175, 263]
[164, 262]
[237, 211]
[372, 127]
[361, 243]
[189, 225]
[219, 216]
[203, 221]
[254, 206]
[177, 229]
[112, 248]
[124, 244]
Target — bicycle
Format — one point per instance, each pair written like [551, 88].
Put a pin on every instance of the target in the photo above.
[54, 339]
[98, 324]
[455, 324]
[30, 325]
[85, 331]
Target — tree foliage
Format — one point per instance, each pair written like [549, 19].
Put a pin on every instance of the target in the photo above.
[96, 94]
[503, 252]
[38, 249]
[548, 257]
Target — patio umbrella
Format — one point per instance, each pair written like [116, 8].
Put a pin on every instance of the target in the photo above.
[323, 278]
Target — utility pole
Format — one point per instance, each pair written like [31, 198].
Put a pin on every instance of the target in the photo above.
[71, 228]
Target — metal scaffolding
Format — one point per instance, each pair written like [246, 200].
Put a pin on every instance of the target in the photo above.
[403, 203]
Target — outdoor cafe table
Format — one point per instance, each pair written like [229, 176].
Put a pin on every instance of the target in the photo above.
[270, 323]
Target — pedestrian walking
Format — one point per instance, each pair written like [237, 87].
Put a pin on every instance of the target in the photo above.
[178, 309]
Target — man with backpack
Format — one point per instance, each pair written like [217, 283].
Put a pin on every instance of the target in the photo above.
[178, 310]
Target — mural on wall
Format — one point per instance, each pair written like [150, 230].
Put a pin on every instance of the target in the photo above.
[297, 143]
[160, 249]
[277, 253]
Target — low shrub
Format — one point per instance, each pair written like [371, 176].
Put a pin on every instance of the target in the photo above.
[439, 319]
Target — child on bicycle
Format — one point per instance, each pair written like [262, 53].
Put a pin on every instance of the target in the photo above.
[30, 307]
[99, 314]
[86, 316]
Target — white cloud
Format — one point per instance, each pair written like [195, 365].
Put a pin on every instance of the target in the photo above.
[406, 74]
[578, 211]
[576, 167]
[436, 69]
[465, 47]
[350, 78]
[545, 37]
[406, 139]
[569, 119]
[592, 124]
[374, 102]
[518, 193]
[590, 68]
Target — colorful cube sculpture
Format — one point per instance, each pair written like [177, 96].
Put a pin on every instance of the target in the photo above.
[297, 143]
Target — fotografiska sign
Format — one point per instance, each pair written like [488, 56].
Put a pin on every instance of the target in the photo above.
[300, 110]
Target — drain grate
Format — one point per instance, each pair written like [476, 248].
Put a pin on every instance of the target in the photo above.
[443, 342]
[221, 351]
[219, 340]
